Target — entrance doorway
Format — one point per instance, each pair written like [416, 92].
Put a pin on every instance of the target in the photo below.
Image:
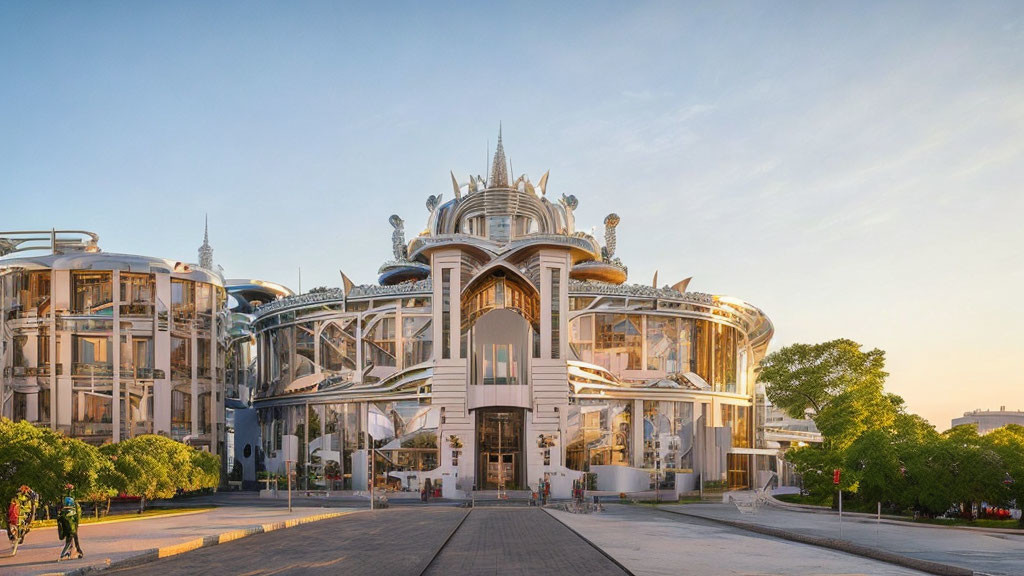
[499, 434]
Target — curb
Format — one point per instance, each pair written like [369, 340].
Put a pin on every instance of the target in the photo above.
[889, 518]
[153, 554]
[840, 545]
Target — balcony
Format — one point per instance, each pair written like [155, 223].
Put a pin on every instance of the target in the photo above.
[104, 370]
[137, 309]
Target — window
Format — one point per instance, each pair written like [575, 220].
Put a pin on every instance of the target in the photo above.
[668, 344]
[417, 340]
[599, 432]
[618, 345]
[738, 419]
[305, 349]
[704, 347]
[204, 360]
[181, 412]
[446, 313]
[143, 357]
[499, 228]
[668, 439]
[30, 292]
[204, 304]
[523, 225]
[338, 347]
[379, 343]
[43, 354]
[725, 358]
[91, 356]
[136, 294]
[581, 337]
[92, 293]
[183, 301]
[556, 317]
[181, 358]
[500, 364]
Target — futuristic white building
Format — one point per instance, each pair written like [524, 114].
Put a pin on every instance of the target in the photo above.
[108, 346]
[502, 346]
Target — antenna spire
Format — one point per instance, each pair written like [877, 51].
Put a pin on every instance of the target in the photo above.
[206, 251]
[499, 169]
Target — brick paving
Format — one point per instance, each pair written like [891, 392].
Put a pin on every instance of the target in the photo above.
[519, 541]
[390, 542]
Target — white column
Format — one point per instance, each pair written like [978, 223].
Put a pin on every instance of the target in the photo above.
[115, 393]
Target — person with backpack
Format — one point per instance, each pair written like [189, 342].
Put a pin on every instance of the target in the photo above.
[67, 524]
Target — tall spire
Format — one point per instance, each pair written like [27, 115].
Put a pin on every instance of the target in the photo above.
[206, 251]
[499, 170]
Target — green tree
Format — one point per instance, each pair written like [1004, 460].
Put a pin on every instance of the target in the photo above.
[1008, 442]
[141, 469]
[47, 460]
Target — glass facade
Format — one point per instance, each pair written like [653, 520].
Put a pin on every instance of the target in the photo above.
[92, 293]
[668, 438]
[641, 346]
[599, 432]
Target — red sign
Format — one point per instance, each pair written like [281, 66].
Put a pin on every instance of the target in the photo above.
[835, 476]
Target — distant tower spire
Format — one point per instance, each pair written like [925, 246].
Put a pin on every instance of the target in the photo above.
[499, 169]
[206, 251]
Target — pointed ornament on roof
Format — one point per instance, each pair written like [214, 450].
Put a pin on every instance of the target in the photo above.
[499, 169]
[206, 251]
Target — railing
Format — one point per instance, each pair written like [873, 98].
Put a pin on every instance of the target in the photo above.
[803, 434]
[94, 369]
[144, 309]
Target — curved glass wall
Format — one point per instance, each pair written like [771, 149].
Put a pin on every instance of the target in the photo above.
[338, 346]
[668, 439]
[599, 432]
[332, 346]
[647, 346]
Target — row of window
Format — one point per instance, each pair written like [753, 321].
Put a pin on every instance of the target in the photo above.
[93, 355]
[637, 342]
[92, 414]
[290, 352]
[92, 294]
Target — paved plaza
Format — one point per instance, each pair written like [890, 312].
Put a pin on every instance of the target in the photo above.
[519, 541]
[400, 541]
[655, 543]
[988, 552]
[120, 539]
[447, 539]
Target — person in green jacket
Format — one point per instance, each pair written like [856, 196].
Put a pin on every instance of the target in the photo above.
[67, 523]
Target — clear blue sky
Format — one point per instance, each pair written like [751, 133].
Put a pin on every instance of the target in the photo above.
[854, 169]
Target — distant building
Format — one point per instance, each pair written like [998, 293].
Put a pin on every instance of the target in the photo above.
[989, 420]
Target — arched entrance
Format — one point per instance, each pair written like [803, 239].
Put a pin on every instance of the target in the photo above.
[500, 325]
[501, 462]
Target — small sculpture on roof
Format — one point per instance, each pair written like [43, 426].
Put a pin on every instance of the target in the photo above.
[610, 222]
[398, 237]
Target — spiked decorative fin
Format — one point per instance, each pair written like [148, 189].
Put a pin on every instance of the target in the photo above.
[681, 285]
[543, 184]
[455, 186]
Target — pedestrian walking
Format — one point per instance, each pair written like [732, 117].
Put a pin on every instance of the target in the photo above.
[67, 523]
[13, 519]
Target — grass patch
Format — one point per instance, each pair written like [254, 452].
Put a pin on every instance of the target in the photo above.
[805, 500]
[151, 513]
[979, 523]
